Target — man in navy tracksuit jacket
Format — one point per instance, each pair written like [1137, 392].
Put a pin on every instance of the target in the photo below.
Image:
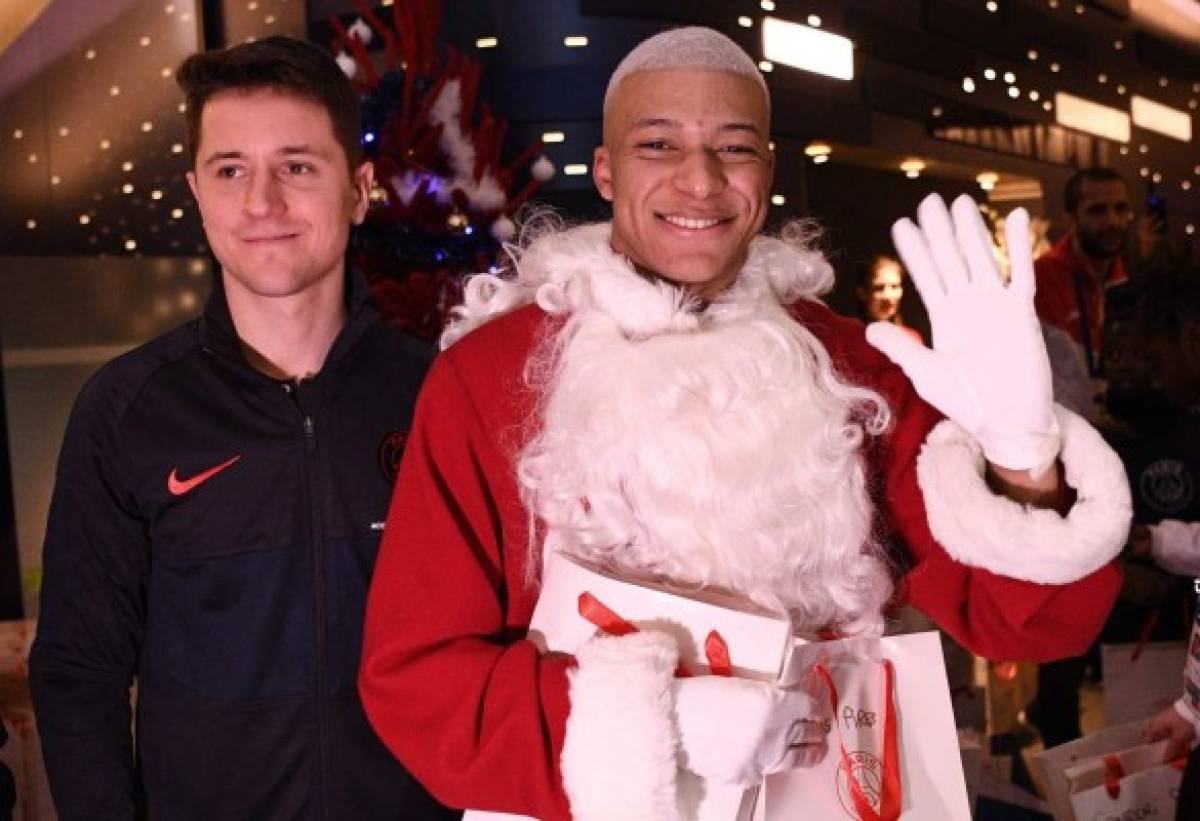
[221, 493]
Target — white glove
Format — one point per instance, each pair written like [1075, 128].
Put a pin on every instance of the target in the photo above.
[735, 731]
[988, 370]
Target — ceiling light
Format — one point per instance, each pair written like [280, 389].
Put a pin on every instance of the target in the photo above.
[807, 48]
[1155, 116]
[1087, 115]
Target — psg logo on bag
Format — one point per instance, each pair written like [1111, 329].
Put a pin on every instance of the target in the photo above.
[390, 451]
[867, 771]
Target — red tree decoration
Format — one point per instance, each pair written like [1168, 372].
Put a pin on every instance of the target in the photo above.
[444, 199]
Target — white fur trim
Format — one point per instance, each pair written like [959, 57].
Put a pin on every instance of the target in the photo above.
[619, 756]
[981, 529]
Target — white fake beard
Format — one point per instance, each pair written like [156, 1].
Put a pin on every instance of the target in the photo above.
[723, 456]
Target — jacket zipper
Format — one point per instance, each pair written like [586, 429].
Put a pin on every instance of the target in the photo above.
[317, 544]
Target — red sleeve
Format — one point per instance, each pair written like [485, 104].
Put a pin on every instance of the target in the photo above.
[995, 616]
[470, 707]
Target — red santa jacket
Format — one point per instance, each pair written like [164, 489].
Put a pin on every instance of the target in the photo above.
[469, 706]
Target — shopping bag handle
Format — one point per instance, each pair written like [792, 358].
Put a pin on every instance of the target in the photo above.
[891, 795]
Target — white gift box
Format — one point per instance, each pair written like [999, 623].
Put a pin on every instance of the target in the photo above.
[1054, 762]
[932, 783]
[1132, 783]
[761, 646]
[758, 643]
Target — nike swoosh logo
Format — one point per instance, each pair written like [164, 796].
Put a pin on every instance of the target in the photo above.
[178, 487]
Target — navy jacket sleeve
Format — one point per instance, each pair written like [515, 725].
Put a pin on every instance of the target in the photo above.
[84, 658]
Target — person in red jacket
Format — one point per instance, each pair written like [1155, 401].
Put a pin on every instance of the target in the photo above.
[1072, 278]
[665, 394]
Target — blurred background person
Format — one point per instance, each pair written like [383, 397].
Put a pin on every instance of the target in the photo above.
[880, 290]
[1072, 279]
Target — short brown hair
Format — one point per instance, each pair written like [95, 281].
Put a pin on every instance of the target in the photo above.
[280, 63]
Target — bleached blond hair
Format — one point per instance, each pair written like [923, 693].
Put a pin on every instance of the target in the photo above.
[694, 47]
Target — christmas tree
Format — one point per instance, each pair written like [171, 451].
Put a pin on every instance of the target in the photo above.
[444, 200]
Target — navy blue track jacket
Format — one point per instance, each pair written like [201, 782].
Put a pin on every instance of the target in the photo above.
[212, 534]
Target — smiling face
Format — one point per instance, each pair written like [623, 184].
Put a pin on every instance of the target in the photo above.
[686, 166]
[275, 193]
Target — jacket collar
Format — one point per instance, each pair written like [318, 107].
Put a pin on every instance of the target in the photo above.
[1064, 249]
[219, 336]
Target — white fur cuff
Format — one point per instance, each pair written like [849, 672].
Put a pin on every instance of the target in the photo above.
[619, 756]
[980, 529]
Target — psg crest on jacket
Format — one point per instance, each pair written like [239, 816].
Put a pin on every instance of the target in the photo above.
[390, 451]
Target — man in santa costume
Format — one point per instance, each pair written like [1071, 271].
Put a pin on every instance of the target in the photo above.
[664, 394]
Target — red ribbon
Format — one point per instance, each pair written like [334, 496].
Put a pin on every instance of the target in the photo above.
[717, 653]
[891, 795]
[595, 611]
[1113, 773]
[599, 614]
